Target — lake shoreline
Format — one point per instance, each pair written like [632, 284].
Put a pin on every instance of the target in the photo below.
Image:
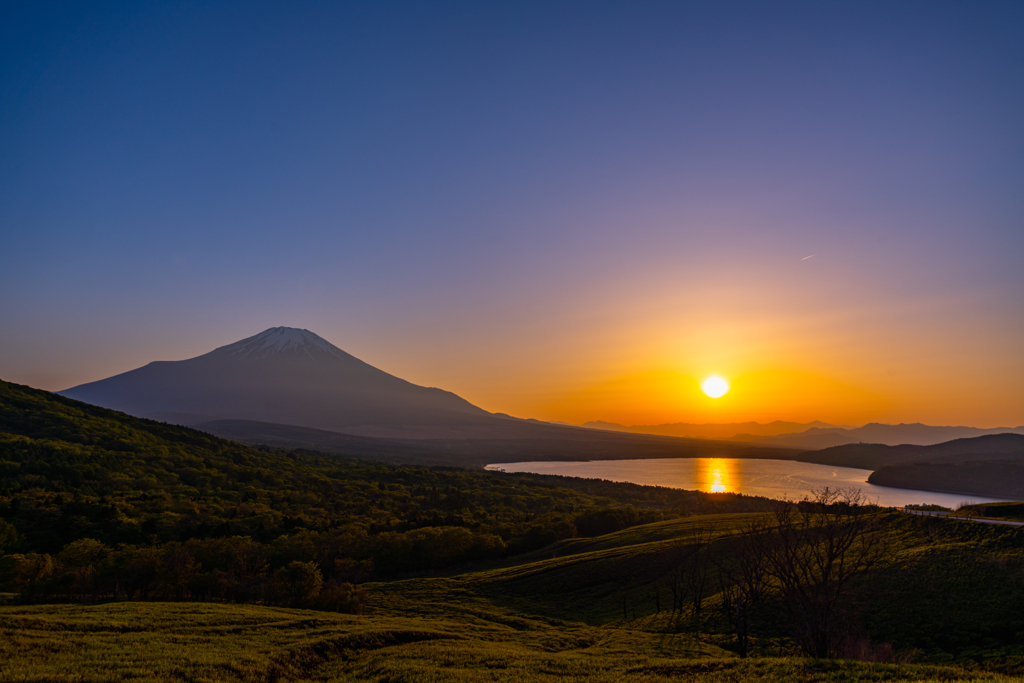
[777, 479]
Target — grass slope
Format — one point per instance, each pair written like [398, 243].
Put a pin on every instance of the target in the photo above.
[214, 643]
[946, 591]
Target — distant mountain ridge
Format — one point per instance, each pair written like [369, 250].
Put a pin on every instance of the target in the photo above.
[711, 430]
[811, 435]
[875, 433]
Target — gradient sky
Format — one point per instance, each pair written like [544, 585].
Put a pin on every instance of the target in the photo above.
[566, 211]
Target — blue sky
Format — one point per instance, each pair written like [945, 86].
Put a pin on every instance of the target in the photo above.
[522, 202]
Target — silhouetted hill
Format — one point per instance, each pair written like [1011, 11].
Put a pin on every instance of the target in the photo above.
[873, 456]
[1000, 479]
[809, 440]
[874, 433]
[726, 430]
[291, 437]
[516, 442]
[990, 465]
[809, 436]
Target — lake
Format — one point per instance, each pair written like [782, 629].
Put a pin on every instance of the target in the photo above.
[779, 479]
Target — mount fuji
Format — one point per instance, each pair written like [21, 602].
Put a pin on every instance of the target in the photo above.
[287, 376]
[291, 388]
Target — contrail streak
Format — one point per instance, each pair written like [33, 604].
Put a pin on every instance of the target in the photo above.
[807, 257]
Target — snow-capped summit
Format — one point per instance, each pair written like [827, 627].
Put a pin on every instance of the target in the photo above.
[282, 375]
[281, 339]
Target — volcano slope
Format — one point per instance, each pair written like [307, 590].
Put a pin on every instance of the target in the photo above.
[282, 375]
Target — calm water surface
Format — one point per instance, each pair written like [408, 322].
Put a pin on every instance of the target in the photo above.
[780, 479]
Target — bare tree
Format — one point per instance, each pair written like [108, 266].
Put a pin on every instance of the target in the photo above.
[697, 568]
[744, 580]
[687, 566]
[625, 580]
[675, 564]
[817, 548]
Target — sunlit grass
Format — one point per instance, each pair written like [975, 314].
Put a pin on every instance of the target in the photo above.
[580, 610]
[204, 642]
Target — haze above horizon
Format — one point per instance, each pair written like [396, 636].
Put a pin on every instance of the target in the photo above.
[563, 211]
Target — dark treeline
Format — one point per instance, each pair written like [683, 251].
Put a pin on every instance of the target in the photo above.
[98, 505]
[234, 569]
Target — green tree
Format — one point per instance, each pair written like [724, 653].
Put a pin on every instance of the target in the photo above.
[9, 537]
[299, 583]
[81, 563]
[31, 572]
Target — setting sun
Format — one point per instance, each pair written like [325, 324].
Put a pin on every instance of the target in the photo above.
[715, 387]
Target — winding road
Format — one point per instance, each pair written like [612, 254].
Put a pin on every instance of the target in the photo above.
[983, 520]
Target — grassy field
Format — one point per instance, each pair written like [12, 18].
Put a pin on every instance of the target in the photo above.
[584, 579]
[207, 642]
[556, 614]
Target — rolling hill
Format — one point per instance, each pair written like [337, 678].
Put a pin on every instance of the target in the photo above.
[714, 430]
[991, 465]
[71, 471]
[558, 615]
[871, 456]
[810, 436]
[568, 578]
[516, 442]
[917, 434]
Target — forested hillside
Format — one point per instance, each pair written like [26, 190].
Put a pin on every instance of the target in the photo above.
[872, 456]
[98, 504]
[1001, 479]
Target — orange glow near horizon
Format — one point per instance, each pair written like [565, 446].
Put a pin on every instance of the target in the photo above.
[634, 364]
[634, 350]
[760, 396]
[584, 225]
[796, 343]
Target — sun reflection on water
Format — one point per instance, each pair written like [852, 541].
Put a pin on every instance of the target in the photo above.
[718, 476]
